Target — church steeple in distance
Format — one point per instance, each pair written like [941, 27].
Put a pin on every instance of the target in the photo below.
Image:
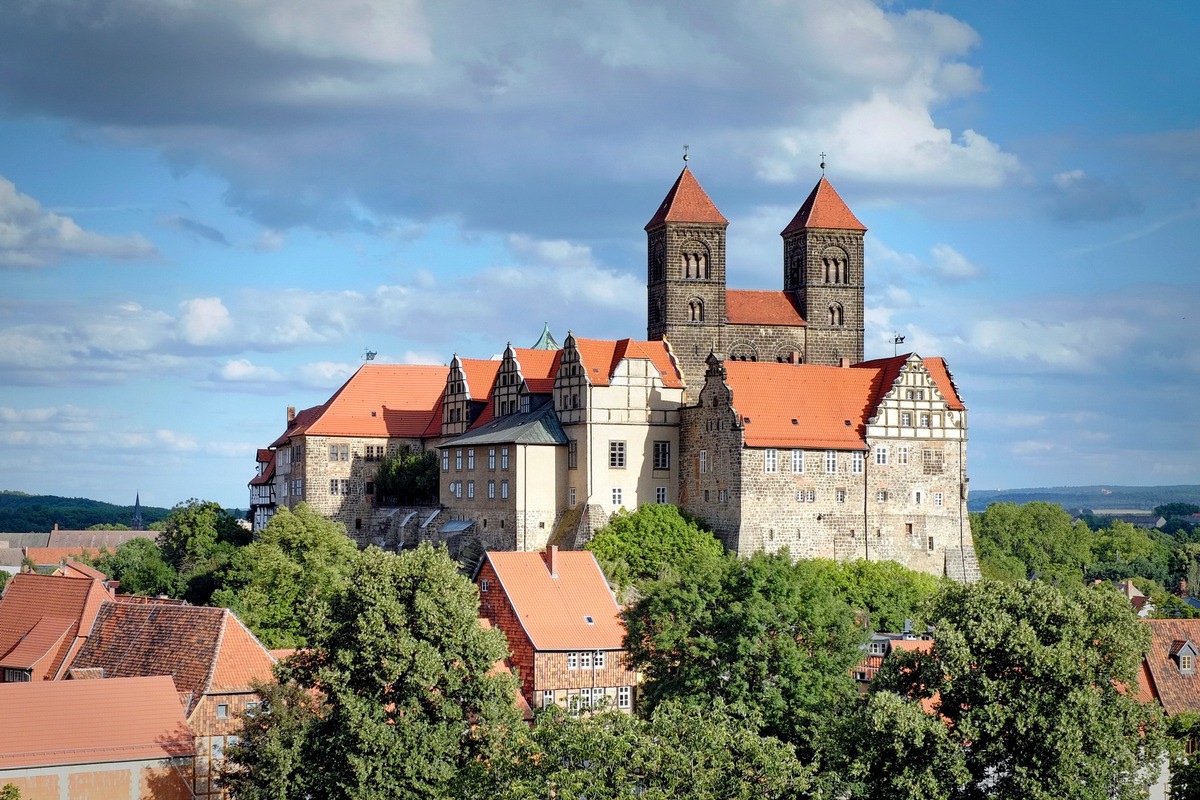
[138, 525]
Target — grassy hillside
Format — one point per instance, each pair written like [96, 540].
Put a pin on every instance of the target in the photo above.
[1095, 498]
[34, 513]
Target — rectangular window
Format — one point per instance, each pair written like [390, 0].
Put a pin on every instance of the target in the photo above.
[598, 697]
[491, 458]
[572, 660]
[797, 461]
[660, 495]
[929, 544]
[812, 496]
[830, 461]
[484, 584]
[924, 420]
[703, 461]
[333, 452]
[344, 452]
[1187, 664]
[503, 458]
[572, 454]
[723, 495]
[616, 497]
[856, 463]
[333, 486]
[503, 490]
[470, 490]
[770, 460]
[601, 659]
[222, 713]
[902, 454]
[345, 487]
[458, 460]
[881, 496]
[623, 696]
[370, 487]
[616, 455]
[938, 498]
[445, 461]
[881, 455]
[17, 675]
[585, 660]
[841, 495]
[662, 455]
[491, 490]
[906, 419]
[918, 496]
[571, 496]
[547, 698]
[471, 459]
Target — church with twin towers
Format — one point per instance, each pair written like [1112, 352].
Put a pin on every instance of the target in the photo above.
[753, 411]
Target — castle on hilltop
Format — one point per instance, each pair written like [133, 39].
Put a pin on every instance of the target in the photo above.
[752, 410]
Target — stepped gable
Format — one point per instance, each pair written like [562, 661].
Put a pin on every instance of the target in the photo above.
[203, 649]
[55, 723]
[754, 307]
[802, 405]
[600, 358]
[554, 607]
[890, 370]
[824, 208]
[44, 619]
[686, 202]
[384, 400]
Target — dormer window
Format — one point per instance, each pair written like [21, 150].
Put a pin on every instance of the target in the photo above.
[1187, 664]
[1184, 653]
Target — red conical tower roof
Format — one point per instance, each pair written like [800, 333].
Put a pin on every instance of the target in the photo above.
[686, 202]
[824, 209]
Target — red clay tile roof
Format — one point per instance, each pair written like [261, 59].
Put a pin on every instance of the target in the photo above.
[824, 208]
[39, 643]
[77, 569]
[820, 400]
[554, 611]
[90, 722]
[945, 381]
[299, 425]
[1177, 692]
[268, 474]
[937, 370]
[752, 307]
[28, 599]
[400, 396]
[479, 374]
[600, 358]
[538, 368]
[46, 556]
[686, 202]
[110, 539]
[203, 649]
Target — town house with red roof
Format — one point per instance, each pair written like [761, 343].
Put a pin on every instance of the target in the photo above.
[563, 626]
[44, 622]
[1168, 677]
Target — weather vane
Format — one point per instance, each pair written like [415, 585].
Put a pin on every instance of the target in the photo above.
[369, 354]
[822, 163]
[897, 340]
[685, 156]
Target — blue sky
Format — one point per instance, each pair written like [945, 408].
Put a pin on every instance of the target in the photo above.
[210, 208]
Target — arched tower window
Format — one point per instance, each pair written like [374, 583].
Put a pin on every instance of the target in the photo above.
[742, 352]
[696, 310]
[836, 315]
[656, 262]
[695, 261]
[836, 264]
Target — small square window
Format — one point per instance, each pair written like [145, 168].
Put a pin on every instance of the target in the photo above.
[938, 498]
[617, 497]
[660, 495]
[222, 711]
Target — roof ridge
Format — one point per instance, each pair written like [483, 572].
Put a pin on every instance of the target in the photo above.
[212, 662]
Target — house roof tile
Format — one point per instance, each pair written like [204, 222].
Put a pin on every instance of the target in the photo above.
[554, 609]
[29, 598]
[97, 539]
[538, 368]
[46, 556]
[87, 722]
[686, 202]
[752, 307]
[824, 208]
[385, 400]
[299, 424]
[600, 358]
[1161, 678]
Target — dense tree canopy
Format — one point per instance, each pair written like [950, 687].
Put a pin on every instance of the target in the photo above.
[1028, 682]
[637, 545]
[139, 566]
[197, 541]
[888, 592]
[401, 667]
[760, 634]
[407, 478]
[1017, 541]
[282, 581]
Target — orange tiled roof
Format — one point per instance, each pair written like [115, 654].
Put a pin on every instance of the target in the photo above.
[554, 611]
[479, 375]
[752, 307]
[1160, 678]
[385, 400]
[77, 569]
[686, 202]
[268, 473]
[945, 381]
[802, 405]
[203, 649]
[824, 208]
[28, 599]
[299, 424]
[600, 358]
[538, 368]
[87, 722]
[45, 556]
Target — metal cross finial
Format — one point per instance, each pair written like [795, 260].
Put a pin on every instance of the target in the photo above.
[685, 153]
[822, 163]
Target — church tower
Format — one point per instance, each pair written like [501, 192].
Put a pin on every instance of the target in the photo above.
[823, 268]
[686, 274]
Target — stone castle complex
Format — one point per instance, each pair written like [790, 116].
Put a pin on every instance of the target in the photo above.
[751, 410]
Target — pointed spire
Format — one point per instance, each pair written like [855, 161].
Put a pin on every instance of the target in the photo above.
[686, 202]
[138, 525]
[546, 340]
[824, 208]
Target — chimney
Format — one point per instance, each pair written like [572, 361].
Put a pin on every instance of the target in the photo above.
[843, 363]
[550, 556]
[291, 414]
[56, 526]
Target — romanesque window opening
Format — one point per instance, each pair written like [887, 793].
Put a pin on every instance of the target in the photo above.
[836, 315]
[696, 310]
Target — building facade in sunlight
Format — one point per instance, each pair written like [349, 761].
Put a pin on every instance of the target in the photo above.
[752, 410]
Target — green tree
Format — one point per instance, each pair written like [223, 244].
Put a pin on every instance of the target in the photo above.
[637, 545]
[760, 634]
[280, 582]
[1176, 510]
[9, 791]
[1027, 680]
[139, 566]
[1015, 542]
[889, 592]
[4, 576]
[197, 541]
[407, 478]
[683, 752]
[401, 667]
[1124, 551]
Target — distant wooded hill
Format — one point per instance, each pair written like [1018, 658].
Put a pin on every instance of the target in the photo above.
[34, 513]
[1094, 498]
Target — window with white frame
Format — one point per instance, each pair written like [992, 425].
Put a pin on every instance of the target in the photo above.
[503, 490]
[491, 458]
[812, 495]
[662, 455]
[600, 659]
[881, 454]
[333, 452]
[840, 494]
[906, 419]
[458, 460]
[571, 496]
[585, 660]
[572, 660]
[491, 490]
[503, 458]
[471, 458]
[616, 497]
[856, 462]
[797, 461]
[938, 497]
[470, 490]
[770, 460]
[924, 420]
[881, 495]
[598, 697]
[445, 461]
[660, 495]
[703, 461]
[547, 698]
[616, 455]
[624, 694]
[830, 461]
[902, 454]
